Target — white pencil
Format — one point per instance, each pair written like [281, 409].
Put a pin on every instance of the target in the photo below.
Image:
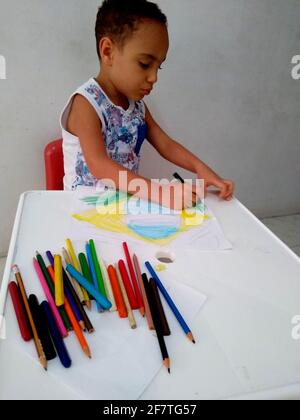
[107, 285]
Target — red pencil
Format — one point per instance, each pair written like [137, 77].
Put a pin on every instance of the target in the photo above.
[134, 280]
[117, 292]
[128, 286]
[20, 311]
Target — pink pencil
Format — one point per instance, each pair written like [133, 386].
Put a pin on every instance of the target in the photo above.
[50, 299]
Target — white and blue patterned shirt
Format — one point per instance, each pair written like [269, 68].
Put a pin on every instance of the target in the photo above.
[123, 131]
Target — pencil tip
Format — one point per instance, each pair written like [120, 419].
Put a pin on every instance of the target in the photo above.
[169, 370]
[191, 337]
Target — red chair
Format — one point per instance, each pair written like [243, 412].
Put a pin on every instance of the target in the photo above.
[54, 165]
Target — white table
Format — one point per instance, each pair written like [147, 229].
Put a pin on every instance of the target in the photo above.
[244, 348]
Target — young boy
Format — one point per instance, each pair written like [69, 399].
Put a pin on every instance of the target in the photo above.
[106, 121]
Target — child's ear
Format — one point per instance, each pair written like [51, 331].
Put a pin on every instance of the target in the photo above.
[106, 47]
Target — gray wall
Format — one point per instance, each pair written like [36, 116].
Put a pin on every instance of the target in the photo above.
[225, 92]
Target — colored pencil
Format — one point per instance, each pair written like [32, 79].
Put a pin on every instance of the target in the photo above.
[150, 320]
[131, 317]
[49, 297]
[134, 280]
[177, 176]
[93, 272]
[107, 285]
[55, 335]
[76, 265]
[159, 308]
[85, 323]
[170, 302]
[75, 285]
[128, 285]
[41, 327]
[157, 325]
[77, 329]
[69, 297]
[121, 307]
[145, 300]
[85, 269]
[50, 285]
[37, 342]
[58, 284]
[104, 302]
[97, 268]
[20, 311]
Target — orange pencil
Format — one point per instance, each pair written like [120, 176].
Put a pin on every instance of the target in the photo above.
[82, 341]
[117, 291]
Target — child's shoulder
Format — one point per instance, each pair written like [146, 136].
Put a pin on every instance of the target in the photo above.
[81, 111]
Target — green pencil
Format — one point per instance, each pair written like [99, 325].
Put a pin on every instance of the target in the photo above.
[97, 268]
[85, 269]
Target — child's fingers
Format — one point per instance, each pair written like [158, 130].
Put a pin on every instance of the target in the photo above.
[198, 191]
[226, 189]
[230, 187]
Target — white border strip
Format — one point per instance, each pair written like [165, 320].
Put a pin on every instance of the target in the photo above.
[9, 262]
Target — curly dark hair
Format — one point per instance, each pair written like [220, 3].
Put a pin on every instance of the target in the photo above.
[118, 18]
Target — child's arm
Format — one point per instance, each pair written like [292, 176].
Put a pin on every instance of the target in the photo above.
[84, 123]
[179, 155]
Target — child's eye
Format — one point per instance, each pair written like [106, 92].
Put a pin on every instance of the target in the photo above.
[144, 65]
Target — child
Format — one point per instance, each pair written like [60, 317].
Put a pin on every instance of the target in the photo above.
[106, 121]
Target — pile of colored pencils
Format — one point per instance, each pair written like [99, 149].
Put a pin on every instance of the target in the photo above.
[70, 290]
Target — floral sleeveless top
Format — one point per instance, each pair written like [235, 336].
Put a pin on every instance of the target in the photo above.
[123, 131]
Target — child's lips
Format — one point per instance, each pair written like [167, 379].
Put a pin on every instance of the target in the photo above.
[146, 91]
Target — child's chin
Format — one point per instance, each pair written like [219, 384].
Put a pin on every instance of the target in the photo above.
[137, 97]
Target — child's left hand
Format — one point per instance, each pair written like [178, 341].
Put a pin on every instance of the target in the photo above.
[225, 186]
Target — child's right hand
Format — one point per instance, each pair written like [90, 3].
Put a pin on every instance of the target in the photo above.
[178, 196]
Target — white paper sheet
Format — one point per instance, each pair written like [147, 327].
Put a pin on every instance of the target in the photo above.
[124, 361]
[208, 236]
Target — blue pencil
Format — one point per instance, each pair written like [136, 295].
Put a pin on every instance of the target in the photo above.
[55, 335]
[170, 302]
[104, 302]
[93, 272]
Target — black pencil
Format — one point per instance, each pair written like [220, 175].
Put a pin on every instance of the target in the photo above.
[163, 322]
[156, 322]
[42, 328]
[177, 176]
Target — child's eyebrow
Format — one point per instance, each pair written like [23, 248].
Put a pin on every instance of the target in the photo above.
[152, 57]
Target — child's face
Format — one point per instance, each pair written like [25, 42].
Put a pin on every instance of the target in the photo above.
[134, 69]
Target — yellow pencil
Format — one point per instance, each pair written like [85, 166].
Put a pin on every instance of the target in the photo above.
[58, 283]
[107, 285]
[75, 263]
[78, 289]
[131, 318]
[75, 285]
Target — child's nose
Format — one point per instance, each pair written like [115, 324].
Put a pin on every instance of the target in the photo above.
[152, 77]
